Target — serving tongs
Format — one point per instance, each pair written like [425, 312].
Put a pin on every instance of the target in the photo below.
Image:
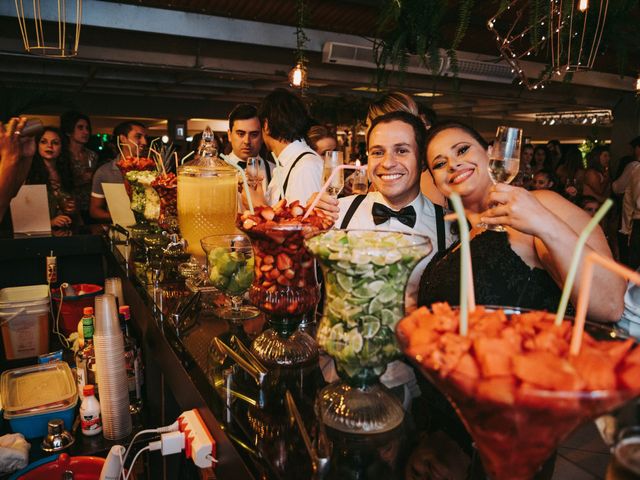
[244, 358]
[320, 454]
[184, 317]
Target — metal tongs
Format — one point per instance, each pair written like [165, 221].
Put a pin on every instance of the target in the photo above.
[320, 454]
[244, 358]
[185, 315]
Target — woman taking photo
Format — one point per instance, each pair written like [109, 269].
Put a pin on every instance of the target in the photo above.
[51, 168]
[528, 265]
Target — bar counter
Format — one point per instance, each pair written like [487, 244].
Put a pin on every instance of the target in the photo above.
[248, 418]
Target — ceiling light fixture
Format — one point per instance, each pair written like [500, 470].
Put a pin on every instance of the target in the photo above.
[40, 38]
[429, 94]
[298, 74]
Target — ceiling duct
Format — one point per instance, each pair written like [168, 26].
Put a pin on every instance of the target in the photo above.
[469, 65]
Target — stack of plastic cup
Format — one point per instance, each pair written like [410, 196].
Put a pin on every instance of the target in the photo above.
[113, 285]
[111, 372]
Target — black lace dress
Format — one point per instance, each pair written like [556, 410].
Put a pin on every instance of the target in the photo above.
[500, 277]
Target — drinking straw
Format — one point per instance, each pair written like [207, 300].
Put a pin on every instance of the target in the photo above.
[175, 154]
[186, 156]
[244, 179]
[158, 161]
[467, 290]
[120, 148]
[577, 254]
[279, 181]
[585, 289]
[335, 171]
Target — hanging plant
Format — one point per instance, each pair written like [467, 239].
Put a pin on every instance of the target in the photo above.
[414, 27]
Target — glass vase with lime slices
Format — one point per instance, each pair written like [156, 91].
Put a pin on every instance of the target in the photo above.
[365, 274]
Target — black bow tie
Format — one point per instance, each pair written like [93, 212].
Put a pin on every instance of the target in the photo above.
[382, 213]
[242, 164]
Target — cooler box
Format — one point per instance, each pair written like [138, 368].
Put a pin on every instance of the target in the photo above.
[73, 305]
[33, 395]
[24, 316]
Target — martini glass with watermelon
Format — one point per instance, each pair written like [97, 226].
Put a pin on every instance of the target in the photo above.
[513, 381]
[365, 274]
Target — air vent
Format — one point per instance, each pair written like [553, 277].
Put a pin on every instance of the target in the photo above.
[363, 56]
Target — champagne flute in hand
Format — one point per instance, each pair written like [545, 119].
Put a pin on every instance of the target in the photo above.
[333, 159]
[252, 171]
[504, 159]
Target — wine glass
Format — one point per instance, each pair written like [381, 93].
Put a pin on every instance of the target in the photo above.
[360, 185]
[504, 160]
[333, 159]
[230, 262]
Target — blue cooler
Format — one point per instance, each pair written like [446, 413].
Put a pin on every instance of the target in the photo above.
[33, 395]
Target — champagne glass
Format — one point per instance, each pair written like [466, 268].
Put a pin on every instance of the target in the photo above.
[332, 159]
[252, 170]
[504, 159]
[360, 184]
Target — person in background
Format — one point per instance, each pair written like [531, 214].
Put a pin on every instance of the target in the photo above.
[16, 154]
[570, 174]
[528, 266]
[589, 204]
[51, 167]
[525, 172]
[322, 139]
[132, 138]
[630, 206]
[401, 102]
[543, 180]
[76, 128]
[245, 136]
[555, 154]
[541, 159]
[285, 120]
[596, 178]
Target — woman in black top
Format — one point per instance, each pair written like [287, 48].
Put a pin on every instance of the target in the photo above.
[528, 265]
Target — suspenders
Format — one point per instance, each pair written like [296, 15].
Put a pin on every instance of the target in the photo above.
[286, 180]
[440, 226]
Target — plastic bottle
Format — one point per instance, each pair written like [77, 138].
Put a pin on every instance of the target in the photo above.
[90, 420]
[84, 355]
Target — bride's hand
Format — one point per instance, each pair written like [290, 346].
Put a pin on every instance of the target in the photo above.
[517, 208]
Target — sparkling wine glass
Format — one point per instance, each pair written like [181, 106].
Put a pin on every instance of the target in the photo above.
[504, 160]
[252, 170]
[333, 159]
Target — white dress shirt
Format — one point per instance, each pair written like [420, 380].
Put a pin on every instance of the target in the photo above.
[262, 169]
[305, 178]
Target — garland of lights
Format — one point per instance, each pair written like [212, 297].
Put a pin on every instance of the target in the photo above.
[298, 74]
[566, 33]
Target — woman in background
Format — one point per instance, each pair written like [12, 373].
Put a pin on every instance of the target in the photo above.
[84, 162]
[322, 139]
[51, 167]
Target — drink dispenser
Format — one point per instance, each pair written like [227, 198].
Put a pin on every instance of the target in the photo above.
[207, 196]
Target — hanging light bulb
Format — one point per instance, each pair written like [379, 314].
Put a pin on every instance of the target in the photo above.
[298, 76]
[583, 5]
[638, 85]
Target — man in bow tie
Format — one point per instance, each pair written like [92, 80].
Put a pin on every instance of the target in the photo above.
[396, 153]
[245, 135]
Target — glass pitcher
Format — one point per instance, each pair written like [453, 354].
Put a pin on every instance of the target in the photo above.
[207, 196]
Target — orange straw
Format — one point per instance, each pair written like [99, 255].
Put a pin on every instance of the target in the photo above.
[467, 290]
[585, 289]
[335, 171]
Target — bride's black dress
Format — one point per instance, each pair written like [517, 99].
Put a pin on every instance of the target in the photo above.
[500, 277]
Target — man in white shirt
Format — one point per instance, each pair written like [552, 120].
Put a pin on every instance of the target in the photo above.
[396, 153]
[396, 159]
[285, 121]
[245, 135]
[628, 184]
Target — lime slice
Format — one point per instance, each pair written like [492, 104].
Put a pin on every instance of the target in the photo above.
[388, 318]
[345, 282]
[375, 306]
[370, 326]
[387, 294]
[355, 340]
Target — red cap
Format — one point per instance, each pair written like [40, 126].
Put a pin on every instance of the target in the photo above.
[87, 310]
[88, 390]
[124, 310]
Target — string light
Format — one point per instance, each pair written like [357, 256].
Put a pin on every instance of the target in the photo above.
[593, 117]
[298, 76]
[583, 5]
